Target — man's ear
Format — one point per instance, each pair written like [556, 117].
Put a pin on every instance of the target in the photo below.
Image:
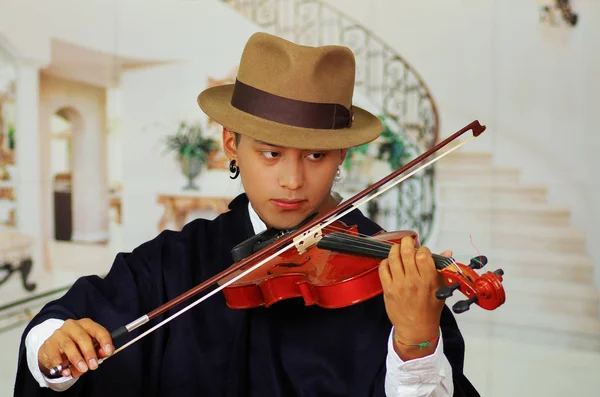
[229, 144]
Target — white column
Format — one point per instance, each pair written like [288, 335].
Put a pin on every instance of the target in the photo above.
[90, 187]
[27, 160]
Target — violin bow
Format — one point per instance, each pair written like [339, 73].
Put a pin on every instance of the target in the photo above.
[298, 238]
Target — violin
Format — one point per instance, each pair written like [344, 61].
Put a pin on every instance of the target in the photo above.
[326, 262]
[341, 269]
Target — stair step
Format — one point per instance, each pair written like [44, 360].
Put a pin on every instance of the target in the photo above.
[491, 212]
[560, 296]
[530, 264]
[559, 324]
[553, 289]
[489, 174]
[548, 295]
[472, 159]
[505, 314]
[568, 273]
[467, 192]
[541, 332]
[532, 303]
[487, 237]
[541, 258]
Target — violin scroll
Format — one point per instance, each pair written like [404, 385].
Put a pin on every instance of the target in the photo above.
[485, 290]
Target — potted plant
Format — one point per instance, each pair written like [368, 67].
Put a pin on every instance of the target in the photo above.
[391, 148]
[192, 150]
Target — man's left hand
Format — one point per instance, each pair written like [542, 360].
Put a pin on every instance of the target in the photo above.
[410, 281]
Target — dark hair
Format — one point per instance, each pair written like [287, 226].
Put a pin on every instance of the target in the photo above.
[238, 137]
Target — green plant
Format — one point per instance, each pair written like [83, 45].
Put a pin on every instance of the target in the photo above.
[11, 137]
[392, 148]
[189, 143]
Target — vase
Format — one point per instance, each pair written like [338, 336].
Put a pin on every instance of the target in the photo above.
[191, 168]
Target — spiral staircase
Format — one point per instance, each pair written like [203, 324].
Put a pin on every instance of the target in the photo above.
[478, 206]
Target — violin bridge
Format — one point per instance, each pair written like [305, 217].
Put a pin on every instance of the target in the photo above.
[302, 242]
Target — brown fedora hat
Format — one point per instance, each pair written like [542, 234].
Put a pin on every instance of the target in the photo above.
[291, 95]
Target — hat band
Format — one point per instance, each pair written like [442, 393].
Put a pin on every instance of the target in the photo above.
[322, 116]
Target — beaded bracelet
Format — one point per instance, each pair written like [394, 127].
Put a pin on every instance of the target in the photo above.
[421, 345]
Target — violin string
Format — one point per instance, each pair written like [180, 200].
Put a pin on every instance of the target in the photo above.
[368, 243]
[292, 244]
[385, 246]
[362, 236]
[369, 240]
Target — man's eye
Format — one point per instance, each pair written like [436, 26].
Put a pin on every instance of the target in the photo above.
[270, 155]
[316, 156]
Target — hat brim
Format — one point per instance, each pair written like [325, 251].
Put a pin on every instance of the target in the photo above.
[216, 103]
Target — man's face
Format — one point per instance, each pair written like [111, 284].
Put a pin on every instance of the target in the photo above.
[284, 185]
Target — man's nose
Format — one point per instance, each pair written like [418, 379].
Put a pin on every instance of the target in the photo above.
[292, 174]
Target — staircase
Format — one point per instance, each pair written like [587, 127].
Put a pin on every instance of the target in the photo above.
[548, 277]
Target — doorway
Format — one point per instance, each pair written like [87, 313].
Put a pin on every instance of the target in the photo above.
[61, 155]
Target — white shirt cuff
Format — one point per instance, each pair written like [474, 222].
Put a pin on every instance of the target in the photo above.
[420, 376]
[34, 340]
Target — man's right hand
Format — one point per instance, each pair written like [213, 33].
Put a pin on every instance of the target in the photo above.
[74, 341]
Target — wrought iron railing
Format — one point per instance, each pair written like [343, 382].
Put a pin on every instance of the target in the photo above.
[383, 77]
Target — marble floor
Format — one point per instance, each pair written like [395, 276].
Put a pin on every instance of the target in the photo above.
[499, 366]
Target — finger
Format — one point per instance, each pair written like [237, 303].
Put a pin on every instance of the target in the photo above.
[425, 264]
[101, 334]
[85, 344]
[49, 355]
[407, 253]
[384, 274]
[69, 348]
[447, 254]
[395, 264]
[75, 373]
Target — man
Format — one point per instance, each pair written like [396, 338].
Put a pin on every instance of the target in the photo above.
[288, 121]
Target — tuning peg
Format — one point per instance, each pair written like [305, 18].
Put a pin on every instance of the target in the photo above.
[463, 306]
[446, 291]
[499, 272]
[478, 262]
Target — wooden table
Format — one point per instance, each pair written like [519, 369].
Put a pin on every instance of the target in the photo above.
[177, 207]
[115, 202]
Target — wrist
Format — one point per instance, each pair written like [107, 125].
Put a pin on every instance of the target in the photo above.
[415, 334]
[410, 346]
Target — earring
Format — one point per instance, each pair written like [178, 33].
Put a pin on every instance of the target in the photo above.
[234, 169]
[338, 174]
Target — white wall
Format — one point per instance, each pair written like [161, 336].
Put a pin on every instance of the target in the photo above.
[114, 113]
[536, 87]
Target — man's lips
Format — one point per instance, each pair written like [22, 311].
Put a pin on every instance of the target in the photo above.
[286, 204]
